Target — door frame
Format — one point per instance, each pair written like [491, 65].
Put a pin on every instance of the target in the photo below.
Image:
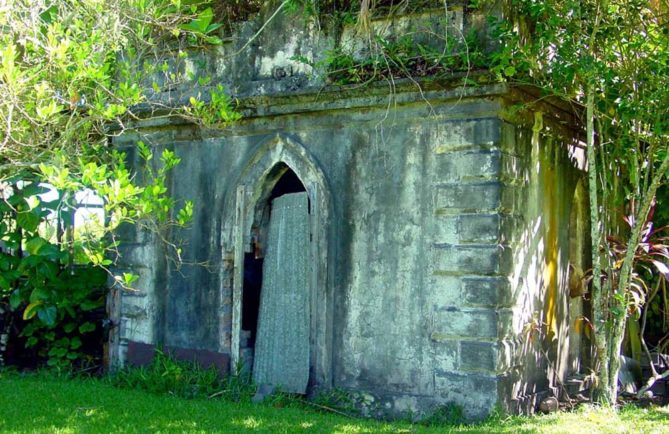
[251, 193]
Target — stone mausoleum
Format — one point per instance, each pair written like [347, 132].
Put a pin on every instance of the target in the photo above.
[417, 243]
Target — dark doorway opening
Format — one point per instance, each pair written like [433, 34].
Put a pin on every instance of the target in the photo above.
[287, 183]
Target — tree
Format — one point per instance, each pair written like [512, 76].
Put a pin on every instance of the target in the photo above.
[612, 58]
[73, 74]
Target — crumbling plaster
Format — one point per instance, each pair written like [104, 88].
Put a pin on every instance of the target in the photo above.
[441, 228]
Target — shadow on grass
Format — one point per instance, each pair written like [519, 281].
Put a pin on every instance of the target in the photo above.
[39, 404]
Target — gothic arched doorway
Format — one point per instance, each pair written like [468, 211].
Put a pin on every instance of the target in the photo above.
[281, 231]
[276, 297]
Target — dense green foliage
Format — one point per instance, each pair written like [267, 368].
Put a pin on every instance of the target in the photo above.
[73, 75]
[405, 57]
[47, 282]
[610, 57]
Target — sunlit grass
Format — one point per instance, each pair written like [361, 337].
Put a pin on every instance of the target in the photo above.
[44, 404]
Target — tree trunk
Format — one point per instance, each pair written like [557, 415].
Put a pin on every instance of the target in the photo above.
[602, 389]
[619, 318]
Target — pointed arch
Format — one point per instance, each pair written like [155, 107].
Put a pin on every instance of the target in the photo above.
[250, 204]
[262, 170]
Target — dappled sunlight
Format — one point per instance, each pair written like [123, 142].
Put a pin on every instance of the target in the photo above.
[542, 344]
[249, 422]
[529, 280]
[595, 420]
[364, 428]
[40, 404]
[349, 429]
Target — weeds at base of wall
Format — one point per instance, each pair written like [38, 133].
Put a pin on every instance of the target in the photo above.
[166, 375]
[337, 400]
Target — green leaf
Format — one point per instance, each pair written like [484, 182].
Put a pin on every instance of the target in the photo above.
[48, 315]
[213, 40]
[34, 245]
[28, 221]
[129, 278]
[75, 343]
[4, 283]
[72, 355]
[31, 310]
[58, 352]
[51, 252]
[49, 14]
[33, 189]
[15, 299]
[201, 23]
[212, 27]
[30, 262]
[509, 71]
[90, 305]
[86, 327]
[39, 294]
[185, 214]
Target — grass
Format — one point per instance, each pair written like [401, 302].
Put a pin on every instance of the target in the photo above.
[47, 404]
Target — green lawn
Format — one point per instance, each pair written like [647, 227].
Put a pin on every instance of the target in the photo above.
[43, 404]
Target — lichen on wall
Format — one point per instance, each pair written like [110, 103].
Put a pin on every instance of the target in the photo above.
[441, 224]
[542, 199]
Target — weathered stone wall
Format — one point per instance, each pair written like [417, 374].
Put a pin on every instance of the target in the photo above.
[539, 201]
[429, 201]
[422, 231]
[415, 227]
[291, 53]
